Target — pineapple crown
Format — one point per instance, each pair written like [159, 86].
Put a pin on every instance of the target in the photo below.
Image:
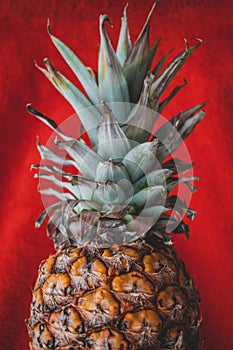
[120, 187]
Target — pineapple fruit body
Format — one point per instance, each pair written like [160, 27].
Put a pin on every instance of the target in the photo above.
[116, 282]
[137, 296]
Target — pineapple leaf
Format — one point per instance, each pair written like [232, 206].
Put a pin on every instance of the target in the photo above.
[171, 224]
[142, 117]
[112, 142]
[177, 166]
[45, 212]
[154, 178]
[172, 94]
[174, 181]
[85, 205]
[139, 60]
[110, 170]
[79, 69]
[161, 83]
[51, 169]
[85, 186]
[103, 193]
[112, 83]
[82, 155]
[46, 120]
[136, 71]
[160, 64]
[148, 197]
[177, 129]
[54, 157]
[124, 44]
[153, 212]
[141, 159]
[58, 183]
[62, 196]
[175, 203]
[88, 114]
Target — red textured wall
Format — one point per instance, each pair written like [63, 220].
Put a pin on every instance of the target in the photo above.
[208, 253]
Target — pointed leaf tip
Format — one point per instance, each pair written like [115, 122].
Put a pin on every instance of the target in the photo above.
[113, 142]
[124, 43]
[79, 69]
[112, 82]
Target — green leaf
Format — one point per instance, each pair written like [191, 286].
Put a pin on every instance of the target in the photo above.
[87, 112]
[112, 142]
[46, 120]
[79, 69]
[124, 44]
[51, 169]
[44, 214]
[110, 170]
[154, 178]
[153, 212]
[160, 64]
[180, 207]
[52, 156]
[136, 71]
[172, 94]
[177, 166]
[112, 83]
[141, 159]
[173, 182]
[62, 184]
[85, 186]
[161, 83]
[85, 205]
[108, 192]
[142, 118]
[139, 60]
[86, 160]
[172, 133]
[148, 197]
[63, 196]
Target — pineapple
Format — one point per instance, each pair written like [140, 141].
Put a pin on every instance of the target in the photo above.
[116, 281]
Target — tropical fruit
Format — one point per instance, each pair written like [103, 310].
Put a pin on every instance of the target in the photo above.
[116, 281]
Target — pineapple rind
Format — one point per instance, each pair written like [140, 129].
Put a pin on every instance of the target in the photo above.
[136, 296]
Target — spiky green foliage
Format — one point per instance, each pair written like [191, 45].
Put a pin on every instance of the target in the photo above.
[121, 186]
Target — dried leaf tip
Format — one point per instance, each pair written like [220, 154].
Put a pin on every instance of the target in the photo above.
[149, 16]
[48, 26]
[125, 10]
[103, 19]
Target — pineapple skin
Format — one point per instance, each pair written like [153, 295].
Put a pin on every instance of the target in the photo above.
[137, 296]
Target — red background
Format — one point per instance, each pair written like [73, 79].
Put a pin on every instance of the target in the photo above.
[208, 254]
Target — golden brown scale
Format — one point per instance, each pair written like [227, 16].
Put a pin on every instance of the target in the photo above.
[136, 322]
[43, 337]
[79, 266]
[47, 265]
[100, 299]
[37, 299]
[122, 298]
[133, 282]
[98, 268]
[169, 298]
[107, 340]
[56, 283]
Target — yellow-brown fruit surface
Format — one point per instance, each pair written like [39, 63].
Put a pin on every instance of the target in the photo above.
[131, 297]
